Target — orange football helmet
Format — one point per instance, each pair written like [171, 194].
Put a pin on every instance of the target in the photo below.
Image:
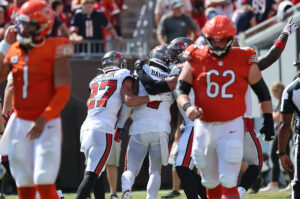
[219, 28]
[35, 20]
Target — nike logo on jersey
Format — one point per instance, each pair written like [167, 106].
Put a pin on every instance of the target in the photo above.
[232, 131]
[158, 74]
[50, 127]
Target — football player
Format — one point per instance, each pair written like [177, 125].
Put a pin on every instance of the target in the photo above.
[252, 148]
[108, 91]
[149, 131]
[219, 75]
[42, 80]
[183, 140]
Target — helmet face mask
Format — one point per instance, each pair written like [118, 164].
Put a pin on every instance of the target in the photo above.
[219, 33]
[222, 48]
[25, 31]
[34, 22]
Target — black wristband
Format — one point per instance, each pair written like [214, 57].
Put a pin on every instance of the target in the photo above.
[186, 106]
[280, 153]
[1, 133]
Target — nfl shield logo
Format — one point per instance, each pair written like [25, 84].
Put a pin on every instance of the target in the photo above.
[14, 59]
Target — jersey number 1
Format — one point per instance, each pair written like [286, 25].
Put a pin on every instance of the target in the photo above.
[112, 86]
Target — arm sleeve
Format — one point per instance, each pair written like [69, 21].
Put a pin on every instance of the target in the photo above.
[57, 103]
[152, 87]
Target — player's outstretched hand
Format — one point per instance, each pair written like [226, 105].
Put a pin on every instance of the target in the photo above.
[268, 127]
[36, 129]
[286, 163]
[118, 132]
[194, 112]
[161, 97]
[290, 27]
[138, 65]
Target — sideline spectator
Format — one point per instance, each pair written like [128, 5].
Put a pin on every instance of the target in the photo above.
[223, 7]
[112, 168]
[262, 9]
[162, 7]
[175, 24]
[88, 23]
[58, 28]
[199, 12]
[3, 24]
[277, 90]
[244, 18]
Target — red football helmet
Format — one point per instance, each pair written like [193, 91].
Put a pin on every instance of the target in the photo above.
[219, 28]
[35, 20]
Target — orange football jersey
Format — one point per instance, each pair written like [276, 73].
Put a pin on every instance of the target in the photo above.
[220, 84]
[33, 75]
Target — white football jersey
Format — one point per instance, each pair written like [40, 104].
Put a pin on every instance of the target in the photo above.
[187, 122]
[248, 100]
[176, 71]
[154, 116]
[105, 101]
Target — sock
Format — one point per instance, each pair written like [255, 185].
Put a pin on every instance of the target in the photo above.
[47, 191]
[191, 190]
[215, 193]
[99, 187]
[86, 185]
[26, 192]
[229, 193]
[250, 176]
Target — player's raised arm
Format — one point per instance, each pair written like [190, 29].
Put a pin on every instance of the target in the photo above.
[182, 90]
[9, 38]
[275, 51]
[261, 90]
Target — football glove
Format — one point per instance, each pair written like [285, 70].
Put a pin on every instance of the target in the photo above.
[138, 65]
[290, 27]
[268, 127]
[118, 132]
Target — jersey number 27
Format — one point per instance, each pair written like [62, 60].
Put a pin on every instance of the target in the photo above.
[112, 86]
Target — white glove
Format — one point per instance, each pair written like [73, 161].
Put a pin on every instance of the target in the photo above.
[173, 153]
[290, 27]
[161, 97]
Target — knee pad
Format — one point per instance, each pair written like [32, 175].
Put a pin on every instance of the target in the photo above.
[233, 152]
[228, 181]
[198, 158]
[44, 178]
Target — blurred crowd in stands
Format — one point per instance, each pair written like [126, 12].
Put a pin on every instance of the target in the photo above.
[191, 15]
[100, 19]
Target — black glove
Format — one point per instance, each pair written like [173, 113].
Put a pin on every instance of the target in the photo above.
[138, 65]
[268, 127]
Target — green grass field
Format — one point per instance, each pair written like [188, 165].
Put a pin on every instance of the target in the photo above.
[142, 195]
